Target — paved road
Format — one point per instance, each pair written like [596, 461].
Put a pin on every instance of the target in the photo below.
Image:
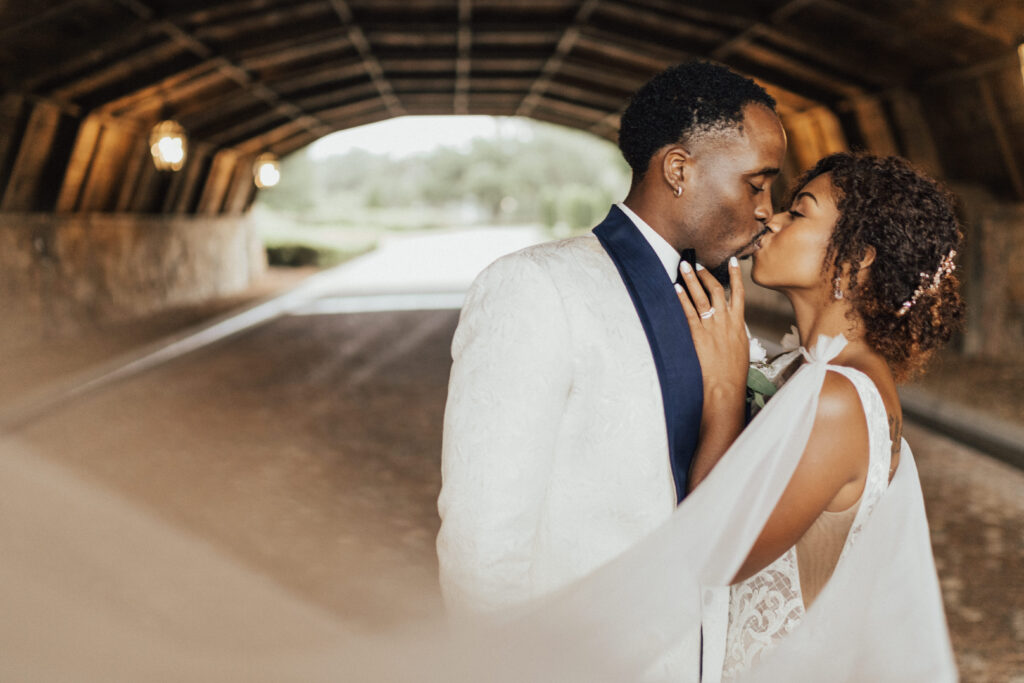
[306, 451]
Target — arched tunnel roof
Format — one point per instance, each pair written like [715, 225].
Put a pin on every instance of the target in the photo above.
[250, 76]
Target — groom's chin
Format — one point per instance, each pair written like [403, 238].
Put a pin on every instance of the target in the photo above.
[720, 272]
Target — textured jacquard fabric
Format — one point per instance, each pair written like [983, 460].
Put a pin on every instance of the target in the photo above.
[769, 605]
[555, 455]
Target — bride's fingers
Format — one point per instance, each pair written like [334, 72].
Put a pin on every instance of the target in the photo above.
[713, 287]
[692, 319]
[697, 295]
[736, 296]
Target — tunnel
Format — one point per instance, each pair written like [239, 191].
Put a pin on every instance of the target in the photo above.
[85, 81]
[93, 234]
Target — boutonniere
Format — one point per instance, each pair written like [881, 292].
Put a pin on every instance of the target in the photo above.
[764, 377]
[759, 387]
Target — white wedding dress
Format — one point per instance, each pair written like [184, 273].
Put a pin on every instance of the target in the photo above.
[769, 605]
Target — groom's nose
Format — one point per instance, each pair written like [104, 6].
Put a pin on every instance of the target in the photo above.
[763, 211]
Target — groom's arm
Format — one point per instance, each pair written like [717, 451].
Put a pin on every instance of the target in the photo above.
[509, 383]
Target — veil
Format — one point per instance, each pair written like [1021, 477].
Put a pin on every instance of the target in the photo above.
[880, 618]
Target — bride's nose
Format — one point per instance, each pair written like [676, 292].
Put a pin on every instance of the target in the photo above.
[776, 222]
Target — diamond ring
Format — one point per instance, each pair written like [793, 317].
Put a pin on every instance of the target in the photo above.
[708, 313]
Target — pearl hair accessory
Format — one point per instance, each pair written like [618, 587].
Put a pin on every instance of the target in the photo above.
[946, 266]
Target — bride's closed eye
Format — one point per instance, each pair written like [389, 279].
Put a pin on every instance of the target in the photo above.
[793, 213]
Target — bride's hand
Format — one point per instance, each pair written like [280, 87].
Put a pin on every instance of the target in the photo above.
[719, 336]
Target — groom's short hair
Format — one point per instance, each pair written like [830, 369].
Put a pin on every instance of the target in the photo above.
[683, 102]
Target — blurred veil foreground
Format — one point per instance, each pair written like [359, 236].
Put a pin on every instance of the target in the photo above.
[93, 589]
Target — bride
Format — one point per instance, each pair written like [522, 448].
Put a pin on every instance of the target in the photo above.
[864, 254]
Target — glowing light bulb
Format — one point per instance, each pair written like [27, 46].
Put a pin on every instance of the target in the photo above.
[266, 171]
[168, 145]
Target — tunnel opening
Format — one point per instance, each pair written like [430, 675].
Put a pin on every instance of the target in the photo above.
[348, 193]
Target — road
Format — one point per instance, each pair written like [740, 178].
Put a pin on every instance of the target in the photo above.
[306, 450]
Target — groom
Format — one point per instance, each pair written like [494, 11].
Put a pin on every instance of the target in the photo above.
[575, 398]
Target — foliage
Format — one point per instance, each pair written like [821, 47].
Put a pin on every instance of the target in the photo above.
[551, 175]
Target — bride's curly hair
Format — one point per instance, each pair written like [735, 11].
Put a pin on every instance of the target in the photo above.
[908, 219]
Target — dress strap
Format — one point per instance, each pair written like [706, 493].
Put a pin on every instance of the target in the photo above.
[879, 444]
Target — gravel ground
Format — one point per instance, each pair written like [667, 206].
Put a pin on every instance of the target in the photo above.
[308, 449]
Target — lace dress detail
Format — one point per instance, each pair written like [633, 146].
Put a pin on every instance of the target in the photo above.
[769, 605]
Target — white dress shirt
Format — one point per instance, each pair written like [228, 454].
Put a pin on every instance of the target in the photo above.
[667, 254]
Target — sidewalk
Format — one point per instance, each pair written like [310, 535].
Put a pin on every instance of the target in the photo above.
[32, 364]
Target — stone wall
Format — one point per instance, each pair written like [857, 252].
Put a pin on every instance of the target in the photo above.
[60, 272]
[997, 314]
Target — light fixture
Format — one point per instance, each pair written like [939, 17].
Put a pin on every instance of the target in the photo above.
[169, 146]
[266, 170]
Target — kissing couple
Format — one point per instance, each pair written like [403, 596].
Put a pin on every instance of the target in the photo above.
[606, 496]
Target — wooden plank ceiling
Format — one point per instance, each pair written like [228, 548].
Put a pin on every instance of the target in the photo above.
[249, 76]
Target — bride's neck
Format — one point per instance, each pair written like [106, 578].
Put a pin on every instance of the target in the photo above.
[815, 317]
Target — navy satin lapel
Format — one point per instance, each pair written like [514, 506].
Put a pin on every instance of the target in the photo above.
[657, 305]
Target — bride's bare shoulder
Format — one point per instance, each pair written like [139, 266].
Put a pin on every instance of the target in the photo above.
[839, 401]
[840, 433]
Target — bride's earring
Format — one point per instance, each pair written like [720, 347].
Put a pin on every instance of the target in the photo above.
[678, 191]
[837, 288]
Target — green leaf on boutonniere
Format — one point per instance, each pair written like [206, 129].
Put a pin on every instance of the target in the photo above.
[759, 384]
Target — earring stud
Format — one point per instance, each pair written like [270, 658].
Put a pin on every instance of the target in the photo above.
[837, 290]
[678, 191]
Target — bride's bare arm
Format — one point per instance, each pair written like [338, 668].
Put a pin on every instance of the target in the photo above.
[836, 456]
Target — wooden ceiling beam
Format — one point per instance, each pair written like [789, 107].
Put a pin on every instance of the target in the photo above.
[551, 67]
[623, 14]
[267, 21]
[447, 83]
[179, 86]
[58, 9]
[359, 106]
[619, 80]
[319, 75]
[600, 98]
[810, 83]
[280, 52]
[332, 98]
[481, 63]
[357, 37]
[630, 52]
[233, 71]
[463, 64]
[119, 70]
[581, 111]
[102, 50]
[219, 11]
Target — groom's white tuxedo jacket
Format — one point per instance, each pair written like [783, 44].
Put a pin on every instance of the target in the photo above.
[555, 455]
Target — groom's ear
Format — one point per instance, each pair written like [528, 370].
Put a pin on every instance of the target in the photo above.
[675, 166]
